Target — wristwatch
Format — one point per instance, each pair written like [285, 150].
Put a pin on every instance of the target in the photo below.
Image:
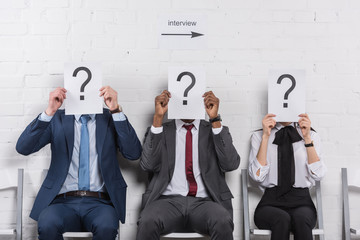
[116, 110]
[215, 119]
[309, 144]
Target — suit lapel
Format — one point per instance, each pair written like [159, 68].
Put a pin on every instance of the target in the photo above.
[170, 140]
[68, 126]
[203, 146]
[102, 122]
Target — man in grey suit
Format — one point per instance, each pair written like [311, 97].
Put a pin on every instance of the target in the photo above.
[187, 160]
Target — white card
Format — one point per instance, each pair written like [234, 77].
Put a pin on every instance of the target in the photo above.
[286, 94]
[82, 82]
[187, 86]
[182, 31]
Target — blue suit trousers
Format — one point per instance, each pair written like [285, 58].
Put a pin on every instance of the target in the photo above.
[78, 214]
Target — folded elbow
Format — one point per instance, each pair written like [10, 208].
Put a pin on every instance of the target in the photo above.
[134, 154]
[22, 150]
[236, 163]
[145, 166]
[257, 176]
[317, 177]
[258, 179]
[232, 165]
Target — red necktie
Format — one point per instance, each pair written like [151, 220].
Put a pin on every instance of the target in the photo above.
[189, 163]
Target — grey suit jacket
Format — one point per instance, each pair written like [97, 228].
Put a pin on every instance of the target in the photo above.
[217, 155]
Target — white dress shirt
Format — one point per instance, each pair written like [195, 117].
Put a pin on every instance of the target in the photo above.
[96, 181]
[179, 184]
[305, 174]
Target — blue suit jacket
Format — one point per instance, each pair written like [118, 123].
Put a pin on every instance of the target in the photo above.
[59, 132]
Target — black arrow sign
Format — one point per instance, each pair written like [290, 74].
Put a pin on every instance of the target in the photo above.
[193, 34]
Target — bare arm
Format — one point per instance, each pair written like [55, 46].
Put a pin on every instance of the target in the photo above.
[305, 126]
[211, 103]
[161, 107]
[56, 99]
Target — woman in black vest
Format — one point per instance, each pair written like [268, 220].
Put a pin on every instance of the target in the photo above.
[285, 159]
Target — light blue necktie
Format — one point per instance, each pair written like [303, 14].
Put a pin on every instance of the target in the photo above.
[84, 175]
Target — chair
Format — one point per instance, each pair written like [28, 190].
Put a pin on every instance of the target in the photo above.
[7, 180]
[184, 235]
[82, 235]
[77, 235]
[349, 181]
[318, 232]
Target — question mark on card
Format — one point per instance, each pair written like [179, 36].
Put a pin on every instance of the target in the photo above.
[193, 81]
[82, 88]
[293, 84]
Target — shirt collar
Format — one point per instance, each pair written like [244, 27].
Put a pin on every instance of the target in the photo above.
[77, 117]
[179, 123]
[279, 126]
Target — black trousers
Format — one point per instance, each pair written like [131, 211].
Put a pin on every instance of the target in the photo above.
[293, 212]
[181, 214]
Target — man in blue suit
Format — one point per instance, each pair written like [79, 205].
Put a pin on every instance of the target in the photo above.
[84, 189]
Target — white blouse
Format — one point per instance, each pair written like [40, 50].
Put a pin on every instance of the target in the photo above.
[305, 174]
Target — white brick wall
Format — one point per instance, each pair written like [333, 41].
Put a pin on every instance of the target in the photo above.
[246, 38]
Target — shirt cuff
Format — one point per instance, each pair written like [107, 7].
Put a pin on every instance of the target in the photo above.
[263, 170]
[44, 117]
[216, 131]
[156, 130]
[119, 116]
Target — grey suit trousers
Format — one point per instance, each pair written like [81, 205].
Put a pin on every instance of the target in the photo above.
[185, 214]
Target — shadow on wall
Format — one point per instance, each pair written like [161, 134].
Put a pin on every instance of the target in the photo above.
[133, 168]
